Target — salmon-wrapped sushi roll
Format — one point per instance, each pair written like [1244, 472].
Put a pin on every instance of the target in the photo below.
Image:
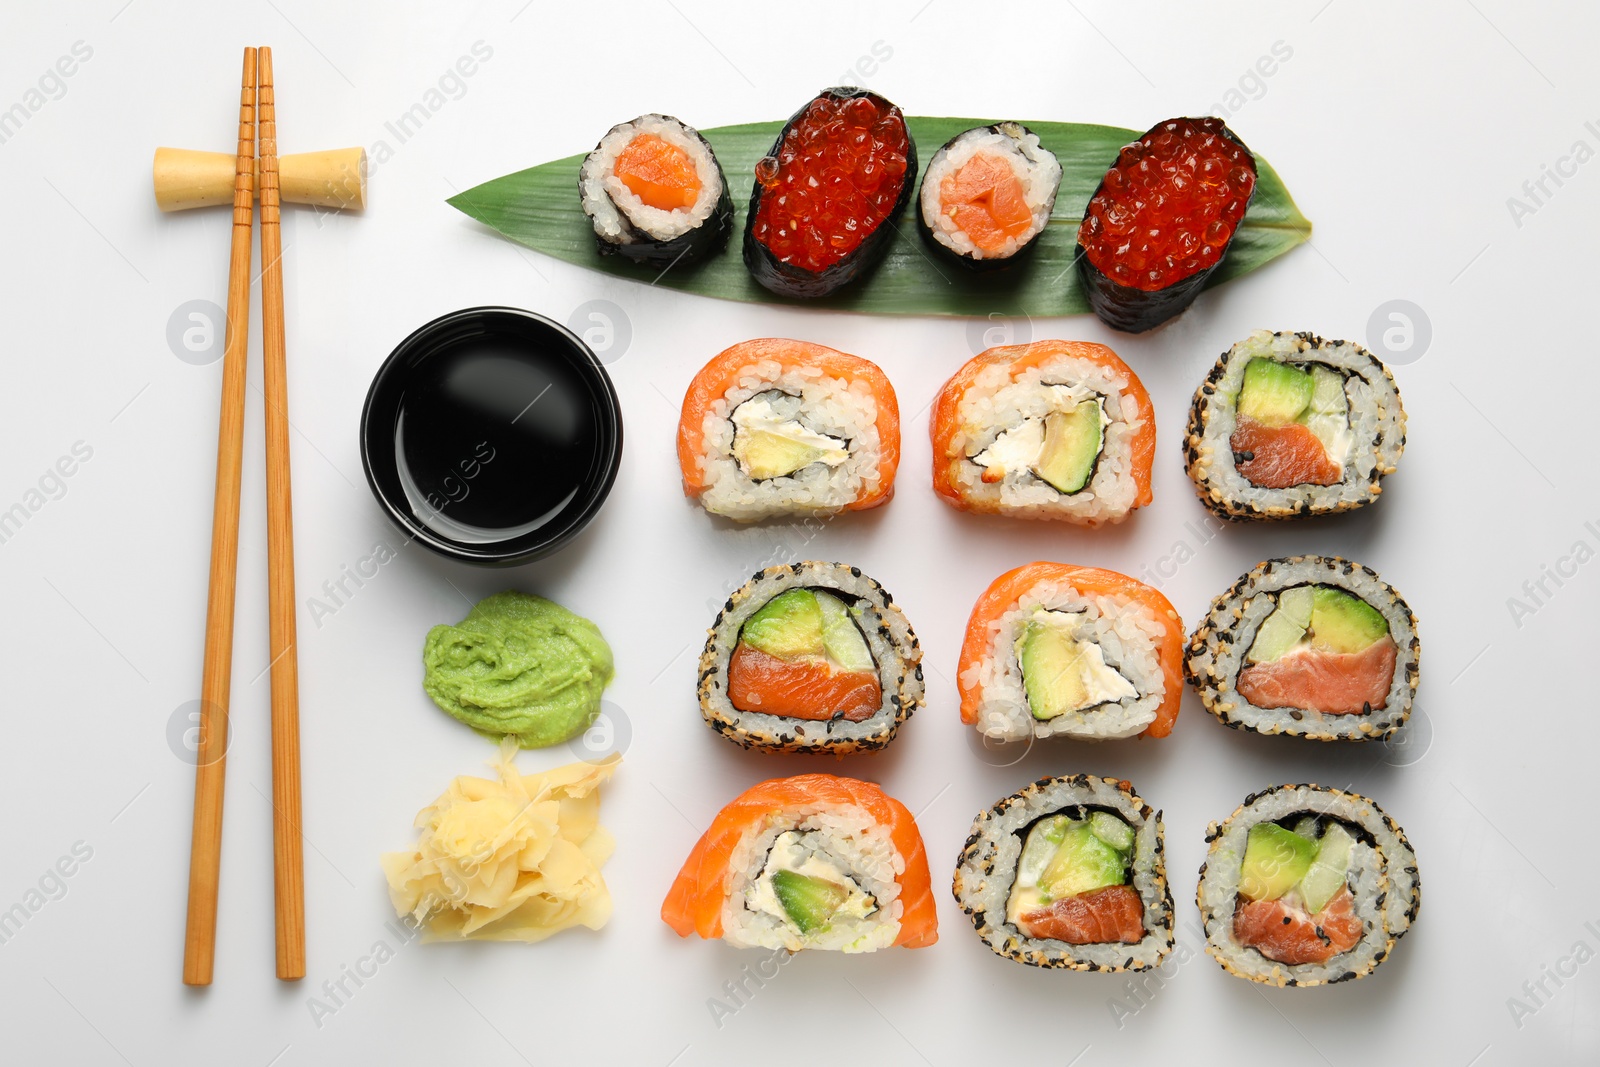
[776, 427]
[1054, 650]
[810, 862]
[1048, 430]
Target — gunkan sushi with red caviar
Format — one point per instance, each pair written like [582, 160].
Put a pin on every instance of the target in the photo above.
[1162, 219]
[823, 206]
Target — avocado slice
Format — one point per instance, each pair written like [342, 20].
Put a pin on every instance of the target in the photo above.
[1342, 622]
[1327, 873]
[1284, 628]
[809, 902]
[841, 637]
[1082, 863]
[1052, 670]
[1040, 847]
[1275, 860]
[789, 626]
[764, 454]
[1072, 443]
[1274, 393]
[1112, 830]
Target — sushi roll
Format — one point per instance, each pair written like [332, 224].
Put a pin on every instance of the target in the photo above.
[1287, 424]
[1054, 650]
[775, 427]
[809, 862]
[1306, 886]
[1161, 221]
[655, 193]
[1070, 872]
[810, 657]
[1048, 430]
[825, 198]
[1309, 646]
[986, 195]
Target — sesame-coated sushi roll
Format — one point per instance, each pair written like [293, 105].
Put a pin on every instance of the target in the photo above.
[655, 193]
[1070, 872]
[810, 657]
[809, 862]
[1054, 650]
[1288, 424]
[1306, 886]
[777, 427]
[1048, 430]
[1162, 219]
[986, 195]
[1309, 646]
[825, 198]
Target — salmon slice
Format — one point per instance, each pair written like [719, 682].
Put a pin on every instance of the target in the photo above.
[722, 373]
[986, 201]
[949, 438]
[1097, 917]
[1288, 935]
[695, 901]
[811, 689]
[1003, 594]
[1334, 683]
[1282, 456]
[660, 174]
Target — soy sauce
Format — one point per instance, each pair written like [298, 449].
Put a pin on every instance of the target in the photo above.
[493, 442]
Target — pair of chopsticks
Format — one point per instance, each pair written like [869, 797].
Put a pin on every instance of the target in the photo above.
[258, 136]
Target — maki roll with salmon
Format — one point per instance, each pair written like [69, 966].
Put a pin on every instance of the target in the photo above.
[809, 862]
[655, 193]
[1306, 886]
[1054, 650]
[777, 427]
[987, 194]
[1309, 646]
[825, 198]
[1070, 872]
[1048, 430]
[810, 657]
[1161, 221]
[1288, 424]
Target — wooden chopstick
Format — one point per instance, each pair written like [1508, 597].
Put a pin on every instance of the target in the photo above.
[288, 859]
[205, 850]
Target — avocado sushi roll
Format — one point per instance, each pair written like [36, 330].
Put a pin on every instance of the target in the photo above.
[775, 427]
[1288, 424]
[1309, 646]
[655, 193]
[1306, 886]
[810, 657]
[1161, 221]
[987, 194]
[1069, 872]
[825, 198]
[1049, 430]
[1056, 650]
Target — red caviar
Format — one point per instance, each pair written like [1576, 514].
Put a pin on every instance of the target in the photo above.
[835, 178]
[1169, 205]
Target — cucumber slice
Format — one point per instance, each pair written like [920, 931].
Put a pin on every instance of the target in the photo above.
[1284, 628]
[841, 637]
[1112, 830]
[1040, 847]
[1327, 873]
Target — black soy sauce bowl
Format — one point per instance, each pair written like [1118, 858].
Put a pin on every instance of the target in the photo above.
[492, 435]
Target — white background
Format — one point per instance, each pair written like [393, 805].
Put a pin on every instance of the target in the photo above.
[1401, 130]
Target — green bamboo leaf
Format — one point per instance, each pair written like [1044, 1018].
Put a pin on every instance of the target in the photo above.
[538, 207]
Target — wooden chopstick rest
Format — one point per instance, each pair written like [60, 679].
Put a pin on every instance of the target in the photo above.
[335, 179]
